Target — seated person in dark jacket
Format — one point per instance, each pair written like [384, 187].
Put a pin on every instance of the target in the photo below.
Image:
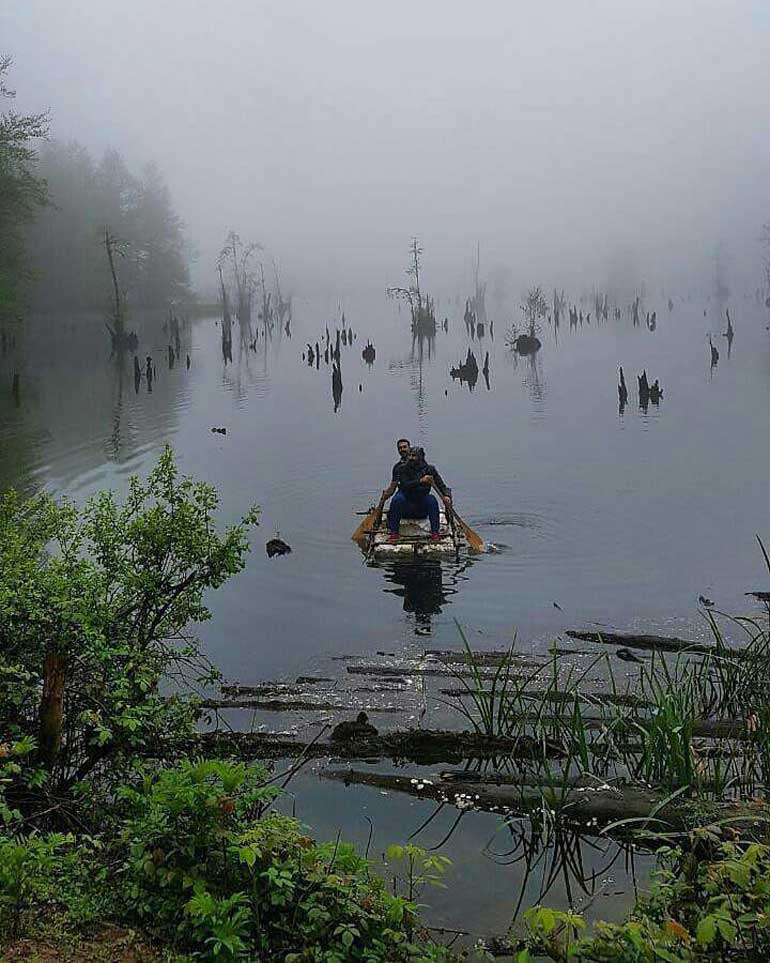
[415, 478]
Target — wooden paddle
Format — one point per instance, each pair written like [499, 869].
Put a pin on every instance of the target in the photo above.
[475, 542]
[369, 524]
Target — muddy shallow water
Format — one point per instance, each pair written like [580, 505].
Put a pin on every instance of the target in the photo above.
[597, 517]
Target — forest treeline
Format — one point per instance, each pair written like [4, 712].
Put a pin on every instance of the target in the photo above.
[56, 201]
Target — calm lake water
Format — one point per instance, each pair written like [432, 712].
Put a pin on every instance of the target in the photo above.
[622, 520]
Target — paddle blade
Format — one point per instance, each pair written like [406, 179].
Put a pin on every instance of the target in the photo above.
[475, 542]
[366, 526]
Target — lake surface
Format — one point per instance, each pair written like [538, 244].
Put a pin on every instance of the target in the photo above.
[620, 519]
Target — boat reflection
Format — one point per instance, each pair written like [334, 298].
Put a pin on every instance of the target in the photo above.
[425, 585]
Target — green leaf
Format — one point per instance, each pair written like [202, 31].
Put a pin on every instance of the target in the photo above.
[706, 931]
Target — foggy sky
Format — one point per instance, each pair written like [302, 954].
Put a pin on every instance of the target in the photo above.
[566, 136]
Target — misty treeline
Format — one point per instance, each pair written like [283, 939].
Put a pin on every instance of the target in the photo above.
[57, 201]
[22, 192]
[66, 240]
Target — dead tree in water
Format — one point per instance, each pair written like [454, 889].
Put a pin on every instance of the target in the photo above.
[478, 301]
[534, 309]
[237, 257]
[468, 371]
[421, 306]
[121, 339]
[282, 305]
[622, 392]
[226, 316]
[559, 305]
[644, 389]
[336, 386]
[227, 320]
[714, 353]
[730, 333]
[266, 313]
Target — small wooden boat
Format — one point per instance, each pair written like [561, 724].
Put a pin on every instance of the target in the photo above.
[415, 540]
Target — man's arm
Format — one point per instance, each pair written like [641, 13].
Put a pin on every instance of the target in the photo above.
[438, 481]
[391, 488]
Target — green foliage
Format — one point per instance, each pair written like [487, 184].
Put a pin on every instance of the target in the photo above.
[14, 769]
[22, 193]
[206, 867]
[25, 866]
[109, 592]
[715, 908]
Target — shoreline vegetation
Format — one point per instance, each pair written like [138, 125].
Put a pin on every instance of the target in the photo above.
[120, 817]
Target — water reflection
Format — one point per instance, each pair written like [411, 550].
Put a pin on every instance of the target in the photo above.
[425, 586]
[577, 863]
[467, 372]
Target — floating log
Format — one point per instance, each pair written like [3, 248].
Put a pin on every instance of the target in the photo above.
[400, 671]
[493, 657]
[425, 746]
[291, 705]
[262, 689]
[653, 643]
[595, 698]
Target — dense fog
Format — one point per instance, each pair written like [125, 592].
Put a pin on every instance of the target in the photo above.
[578, 142]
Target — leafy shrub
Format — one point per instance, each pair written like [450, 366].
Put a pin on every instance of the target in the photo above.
[26, 864]
[699, 909]
[206, 867]
[95, 606]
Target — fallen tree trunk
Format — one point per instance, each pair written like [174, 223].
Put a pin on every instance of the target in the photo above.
[583, 804]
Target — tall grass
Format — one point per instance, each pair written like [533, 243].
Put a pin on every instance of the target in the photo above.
[653, 738]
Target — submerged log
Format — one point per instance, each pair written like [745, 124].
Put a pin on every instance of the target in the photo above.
[426, 746]
[580, 803]
[653, 643]
[557, 697]
[401, 671]
[494, 657]
[290, 705]
[262, 689]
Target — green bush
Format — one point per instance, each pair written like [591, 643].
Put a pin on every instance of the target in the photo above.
[709, 904]
[95, 609]
[26, 864]
[207, 868]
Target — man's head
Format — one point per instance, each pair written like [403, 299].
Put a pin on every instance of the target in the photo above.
[417, 455]
[403, 448]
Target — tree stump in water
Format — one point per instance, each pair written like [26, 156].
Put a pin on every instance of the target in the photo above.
[527, 344]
